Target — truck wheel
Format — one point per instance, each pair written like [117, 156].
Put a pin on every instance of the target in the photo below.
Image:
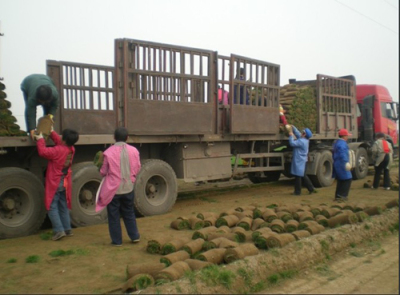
[85, 182]
[323, 177]
[255, 177]
[22, 209]
[361, 169]
[156, 188]
[272, 175]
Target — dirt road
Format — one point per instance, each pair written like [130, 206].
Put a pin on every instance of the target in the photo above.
[90, 265]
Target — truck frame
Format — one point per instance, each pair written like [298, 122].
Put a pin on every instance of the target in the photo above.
[166, 97]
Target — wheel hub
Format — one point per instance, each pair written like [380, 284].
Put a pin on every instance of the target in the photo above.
[8, 204]
[151, 188]
[87, 195]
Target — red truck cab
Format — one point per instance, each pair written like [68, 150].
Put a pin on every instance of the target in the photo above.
[377, 112]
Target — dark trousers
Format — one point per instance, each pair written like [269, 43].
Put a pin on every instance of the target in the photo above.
[122, 205]
[299, 181]
[342, 188]
[378, 172]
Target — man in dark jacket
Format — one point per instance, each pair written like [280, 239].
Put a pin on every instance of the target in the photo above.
[38, 89]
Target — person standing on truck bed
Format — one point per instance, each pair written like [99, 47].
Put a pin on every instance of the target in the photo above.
[120, 167]
[382, 154]
[243, 96]
[299, 159]
[58, 184]
[38, 89]
[341, 166]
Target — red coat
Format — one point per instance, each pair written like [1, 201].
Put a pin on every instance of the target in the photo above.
[56, 156]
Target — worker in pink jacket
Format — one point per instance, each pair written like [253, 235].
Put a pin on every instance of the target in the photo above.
[120, 166]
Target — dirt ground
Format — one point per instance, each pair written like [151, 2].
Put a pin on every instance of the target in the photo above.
[95, 267]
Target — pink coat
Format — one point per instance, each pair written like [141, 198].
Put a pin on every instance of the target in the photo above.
[111, 171]
[56, 156]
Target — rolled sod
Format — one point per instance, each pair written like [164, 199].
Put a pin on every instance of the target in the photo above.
[286, 208]
[173, 272]
[303, 216]
[256, 223]
[244, 208]
[227, 212]
[154, 246]
[340, 206]
[44, 126]
[258, 212]
[205, 215]
[330, 212]
[260, 231]
[301, 234]
[193, 246]
[179, 224]
[315, 211]
[392, 203]
[277, 225]
[240, 215]
[359, 207]
[240, 232]
[374, 210]
[349, 206]
[285, 216]
[245, 223]
[315, 229]
[361, 215]
[204, 232]
[196, 223]
[210, 221]
[228, 220]
[174, 245]
[269, 215]
[261, 240]
[98, 159]
[321, 219]
[149, 268]
[138, 282]
[291, 225]
[230, 236]
[215, 256]
[196, 264]
[240, 252]
[307, 223]
[224, 229]
[278, 241]
[174, 257]
[342, 219]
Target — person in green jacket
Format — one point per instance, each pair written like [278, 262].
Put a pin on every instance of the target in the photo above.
[38, 89]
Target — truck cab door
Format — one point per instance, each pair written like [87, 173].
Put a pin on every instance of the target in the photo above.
[367, 118]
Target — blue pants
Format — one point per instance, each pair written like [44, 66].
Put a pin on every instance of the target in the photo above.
[122, 206]
[58, 213]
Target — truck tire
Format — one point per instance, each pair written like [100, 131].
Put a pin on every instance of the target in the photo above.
[156, 188]
[323, 177]
[85, 182]
[22, 209]
[361, 169]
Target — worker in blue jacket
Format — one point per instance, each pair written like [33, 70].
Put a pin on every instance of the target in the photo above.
[299, 159]
[341, 166]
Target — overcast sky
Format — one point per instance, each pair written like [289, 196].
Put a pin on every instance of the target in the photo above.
[305, 37]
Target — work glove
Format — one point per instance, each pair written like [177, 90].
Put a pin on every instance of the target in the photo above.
[38, 136]
[347, 166]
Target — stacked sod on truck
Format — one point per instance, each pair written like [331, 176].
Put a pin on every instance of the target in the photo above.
[8, 126]
[300, 104]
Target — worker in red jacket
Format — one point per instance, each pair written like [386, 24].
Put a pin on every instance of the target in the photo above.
[58, 179]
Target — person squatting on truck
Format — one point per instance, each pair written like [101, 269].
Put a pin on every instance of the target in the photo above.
[38, 89]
